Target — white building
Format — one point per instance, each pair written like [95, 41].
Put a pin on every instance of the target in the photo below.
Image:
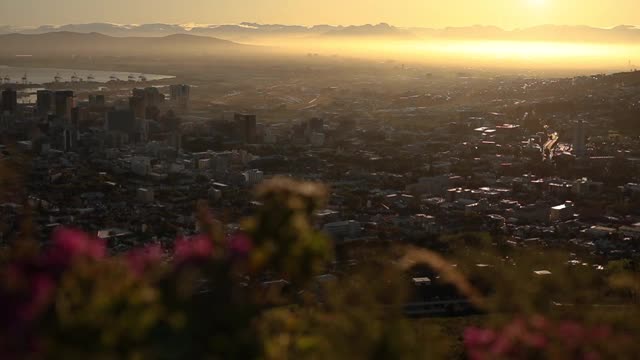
[561, 212]
[253, 177]
[204, 164]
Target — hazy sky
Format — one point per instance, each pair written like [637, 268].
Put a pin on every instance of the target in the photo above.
[427, 13]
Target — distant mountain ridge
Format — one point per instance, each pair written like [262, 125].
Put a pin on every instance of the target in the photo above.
[74, 43]
[247, 31]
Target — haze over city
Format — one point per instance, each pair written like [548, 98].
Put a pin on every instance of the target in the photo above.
[275, 179]
[543, 34]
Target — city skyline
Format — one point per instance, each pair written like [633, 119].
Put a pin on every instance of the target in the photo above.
[508, 14]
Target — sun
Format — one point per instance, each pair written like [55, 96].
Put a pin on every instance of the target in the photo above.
[537, 3]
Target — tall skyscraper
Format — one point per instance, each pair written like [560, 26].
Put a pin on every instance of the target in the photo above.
[44, 102]
[245, 127]
[97, 100]
[69, 138]
[123, 121]
[138, 105]
[64, 104]
[79, 115]
[179, 91]
[152, 96]
[180, 95]
[9, 101]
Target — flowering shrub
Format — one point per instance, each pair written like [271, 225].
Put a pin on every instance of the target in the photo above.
[210, 297]
[539, 338]
[199, 299]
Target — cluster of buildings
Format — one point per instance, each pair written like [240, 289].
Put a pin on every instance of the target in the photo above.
[404, 167]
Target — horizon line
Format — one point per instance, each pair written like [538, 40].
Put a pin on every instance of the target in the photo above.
[188, 26]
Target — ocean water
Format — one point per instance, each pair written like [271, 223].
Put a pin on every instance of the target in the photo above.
[22, 75]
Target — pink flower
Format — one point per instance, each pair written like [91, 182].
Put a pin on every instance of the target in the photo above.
[143, 258]
[600, 333]
[27, 298]
[477, 337]
[70, 244]
[42, 288]
[536, 341]
[571, 332]
[193, 249]
[502, 345]
[239, 245]
[539, 322]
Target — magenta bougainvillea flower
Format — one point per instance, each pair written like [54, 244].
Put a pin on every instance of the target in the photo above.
[70, 244]
[141, 259]
[193, 249]
[521, 339]
[240, 245]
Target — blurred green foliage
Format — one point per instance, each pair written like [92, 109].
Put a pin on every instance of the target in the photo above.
[211, 297]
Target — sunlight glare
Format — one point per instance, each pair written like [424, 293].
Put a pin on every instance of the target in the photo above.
[537, 3]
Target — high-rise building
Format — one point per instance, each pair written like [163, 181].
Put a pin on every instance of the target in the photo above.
[180, 95]
[579, 139]
[44, 102]
[120, 120]
[9, 101]
[246, 127]
[170, 121]
[64, 104]
[138, 106]
[97, 100]
[69, 138]
[79, 115]
[151, 95]
[179, 92]
[175, 140]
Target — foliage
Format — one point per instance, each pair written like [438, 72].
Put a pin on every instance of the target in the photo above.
[216, 297]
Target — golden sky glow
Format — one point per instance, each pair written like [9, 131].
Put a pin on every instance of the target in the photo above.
[425, 13]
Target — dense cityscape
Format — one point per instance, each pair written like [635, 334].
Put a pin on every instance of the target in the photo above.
[547, 161]
[265, 191]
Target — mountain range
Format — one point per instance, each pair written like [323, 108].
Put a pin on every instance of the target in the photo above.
[95, 44]
[248, 32]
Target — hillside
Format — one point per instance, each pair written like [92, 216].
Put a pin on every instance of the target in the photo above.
[93, 44]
